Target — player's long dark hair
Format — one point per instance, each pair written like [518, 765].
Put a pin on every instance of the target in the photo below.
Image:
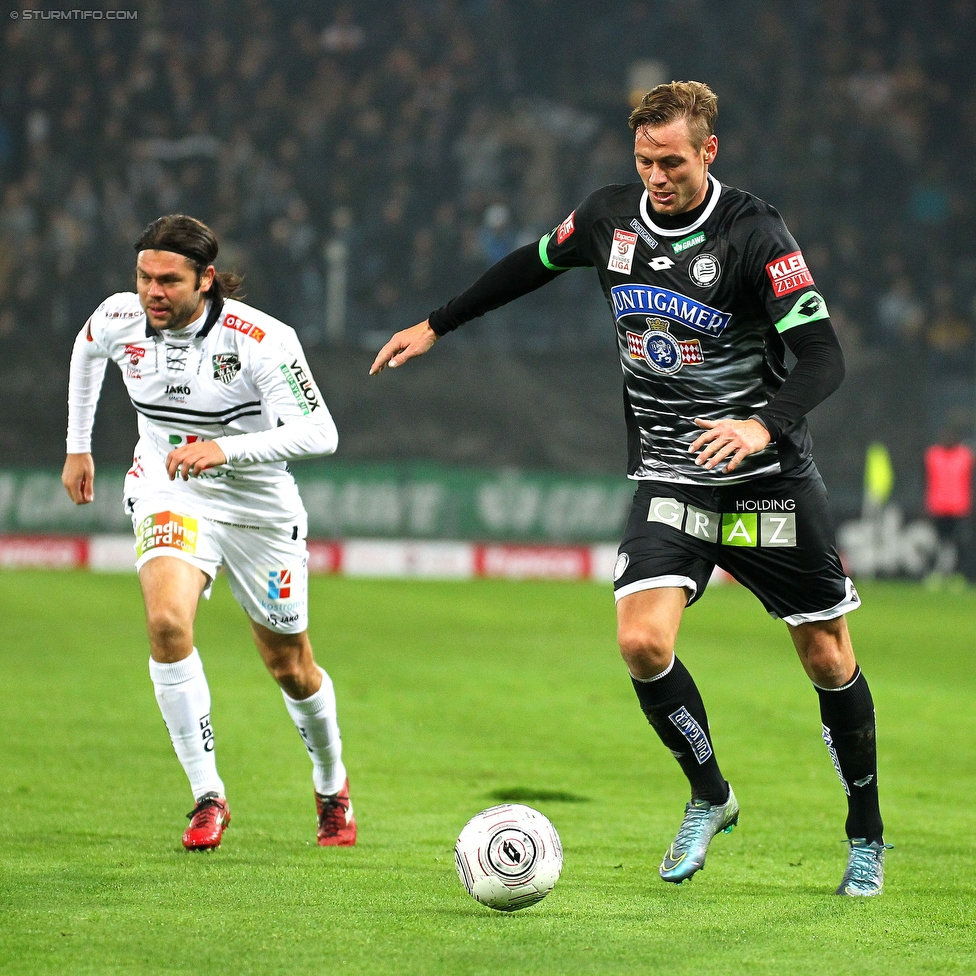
[196, 242]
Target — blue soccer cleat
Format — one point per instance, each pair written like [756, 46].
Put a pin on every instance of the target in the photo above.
[864, 876]
[702, 821]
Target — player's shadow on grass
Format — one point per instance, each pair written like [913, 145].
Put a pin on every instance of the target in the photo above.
[525, 794]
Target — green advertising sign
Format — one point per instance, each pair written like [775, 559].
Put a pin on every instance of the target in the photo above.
[369, 501]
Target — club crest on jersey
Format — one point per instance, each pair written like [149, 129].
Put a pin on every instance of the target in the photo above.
[705, 270]
[622, 252]
[226, 365]
[676, 308]
[661, 351]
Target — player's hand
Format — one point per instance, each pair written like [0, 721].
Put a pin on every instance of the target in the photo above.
[190, 460]
[411, 342]
[730, 440]
[78, 476]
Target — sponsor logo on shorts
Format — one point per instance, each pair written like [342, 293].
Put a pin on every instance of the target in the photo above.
[693, 732]
[620, 566]
[166, 530]
[622, 252]
[566, 228]
[789, 273]
[239, 325]
[755, 529]
[177, 439]
[692, 240]
[279, 584]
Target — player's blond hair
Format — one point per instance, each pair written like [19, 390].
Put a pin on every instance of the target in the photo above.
[691, 100]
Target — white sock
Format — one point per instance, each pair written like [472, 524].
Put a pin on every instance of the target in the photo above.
[315, 719]
[184, 700]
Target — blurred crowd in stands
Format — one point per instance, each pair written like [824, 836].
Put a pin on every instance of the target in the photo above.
[417, 142]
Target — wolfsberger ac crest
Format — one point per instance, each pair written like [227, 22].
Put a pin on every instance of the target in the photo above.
[226, 365]
[660, 350]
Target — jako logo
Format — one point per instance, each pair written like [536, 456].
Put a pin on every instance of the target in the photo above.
[279, 584]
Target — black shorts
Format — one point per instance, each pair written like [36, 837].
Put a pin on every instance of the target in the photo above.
[774, 535]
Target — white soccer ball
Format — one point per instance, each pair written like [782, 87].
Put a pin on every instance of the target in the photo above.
[508, 857]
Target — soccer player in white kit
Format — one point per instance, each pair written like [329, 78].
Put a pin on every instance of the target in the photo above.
[224, 399]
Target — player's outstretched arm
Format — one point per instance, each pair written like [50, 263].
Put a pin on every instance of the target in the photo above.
[406, 344]
[78, 477]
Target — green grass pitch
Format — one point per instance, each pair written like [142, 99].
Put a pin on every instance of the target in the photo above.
[451, 697]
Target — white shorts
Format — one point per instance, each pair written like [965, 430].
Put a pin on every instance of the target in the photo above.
[266, 566]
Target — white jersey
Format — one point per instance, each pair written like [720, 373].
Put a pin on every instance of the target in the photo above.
[235, 376]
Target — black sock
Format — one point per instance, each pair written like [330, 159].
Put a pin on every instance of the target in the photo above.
[849, 731]
[675, 710]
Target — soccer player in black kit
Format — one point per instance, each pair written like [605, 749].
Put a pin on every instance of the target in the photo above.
[708, 290]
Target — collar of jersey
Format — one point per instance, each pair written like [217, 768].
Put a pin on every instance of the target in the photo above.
[216, 307]
[681, 231]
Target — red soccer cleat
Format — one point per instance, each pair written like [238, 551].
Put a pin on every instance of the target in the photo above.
[208, 820]
[337, 825]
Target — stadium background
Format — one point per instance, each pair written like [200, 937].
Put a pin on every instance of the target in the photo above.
[362, 163]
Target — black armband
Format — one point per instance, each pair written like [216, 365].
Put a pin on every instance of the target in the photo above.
[818, 372]
[515, 275]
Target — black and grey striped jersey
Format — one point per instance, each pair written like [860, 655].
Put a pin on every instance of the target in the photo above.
[700, 313]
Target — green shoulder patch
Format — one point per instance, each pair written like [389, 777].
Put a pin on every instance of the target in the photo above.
[809, 307]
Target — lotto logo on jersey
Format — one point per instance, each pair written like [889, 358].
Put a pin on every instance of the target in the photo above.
[239, 325]
[622, 252]
[167, 530]
[279, 584]
[789, 273]
[566, 228]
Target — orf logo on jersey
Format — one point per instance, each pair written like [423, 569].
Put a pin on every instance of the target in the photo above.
[279, 584]
[566, 228]
[239, 325]
[789, 273]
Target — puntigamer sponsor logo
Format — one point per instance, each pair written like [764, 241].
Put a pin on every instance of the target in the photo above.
[680, 309]
[692, 240]
[301, 386]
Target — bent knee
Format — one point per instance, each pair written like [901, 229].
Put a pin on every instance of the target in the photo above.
[646, 651]
[168, 625]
